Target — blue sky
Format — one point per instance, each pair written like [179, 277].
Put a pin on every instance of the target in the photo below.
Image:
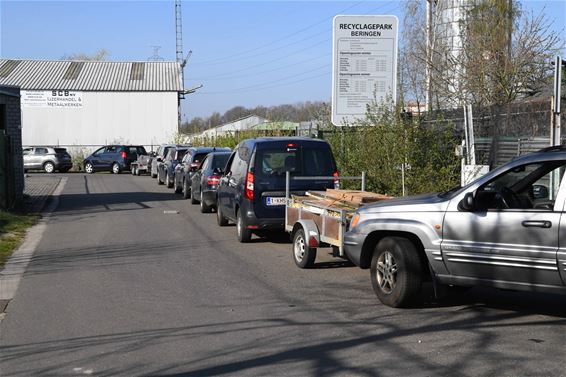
[245, 53]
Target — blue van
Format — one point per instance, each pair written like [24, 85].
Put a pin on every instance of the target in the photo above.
[251, 191]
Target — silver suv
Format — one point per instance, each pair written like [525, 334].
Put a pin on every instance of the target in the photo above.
[507, 230]
[48, 159]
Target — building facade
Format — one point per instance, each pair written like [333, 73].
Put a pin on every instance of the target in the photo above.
[89, 103]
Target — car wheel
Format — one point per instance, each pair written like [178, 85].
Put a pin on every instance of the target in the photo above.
[116, 168]
[220, 219]
[133, 170]
[244, 234]
[138, 172]
[193, 199]
[168, 182]
[303, 255]
[178, 188]
[159, 181]
[153, 175]
[396, 271]
[89, 168]
[203, 207]
[49, 167]
[186, 190]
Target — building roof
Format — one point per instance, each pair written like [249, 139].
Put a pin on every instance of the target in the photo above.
[91, 75]
[273, 126]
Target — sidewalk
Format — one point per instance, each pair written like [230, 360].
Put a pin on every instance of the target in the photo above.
[38, 189]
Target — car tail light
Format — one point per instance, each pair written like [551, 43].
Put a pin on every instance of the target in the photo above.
[123, 154]
[250, 186]
[213, 180]
[336, 180]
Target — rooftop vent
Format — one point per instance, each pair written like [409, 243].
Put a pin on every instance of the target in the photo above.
[137, 71]
[8, 67]
[73, 70]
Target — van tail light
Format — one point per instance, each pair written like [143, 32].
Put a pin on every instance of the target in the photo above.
[213, 180]
[123, 154]
[336, 180]
[250, 186]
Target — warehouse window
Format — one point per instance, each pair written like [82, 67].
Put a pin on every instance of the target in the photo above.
[73, 70]
[137, 71]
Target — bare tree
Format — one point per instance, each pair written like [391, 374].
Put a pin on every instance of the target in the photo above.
[100, 55]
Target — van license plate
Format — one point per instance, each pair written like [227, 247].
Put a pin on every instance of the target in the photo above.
[271, 201]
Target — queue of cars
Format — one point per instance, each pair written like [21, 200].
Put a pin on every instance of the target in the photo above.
[505, 230]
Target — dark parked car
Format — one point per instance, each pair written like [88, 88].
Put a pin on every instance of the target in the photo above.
[204, 182]
[252, 188]
[114, 158]
[166, 170]
[48, 159]
[189, 164]
[158, 158]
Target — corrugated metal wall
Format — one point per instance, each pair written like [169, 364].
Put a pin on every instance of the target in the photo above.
[105, 117]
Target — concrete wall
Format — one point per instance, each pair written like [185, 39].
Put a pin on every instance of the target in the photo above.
[105, 117]
[9, 96]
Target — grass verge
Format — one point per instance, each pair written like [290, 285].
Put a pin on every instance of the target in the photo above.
[13, 228]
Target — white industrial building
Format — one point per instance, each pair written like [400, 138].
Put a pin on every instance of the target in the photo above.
[242, 124]
[88, 103]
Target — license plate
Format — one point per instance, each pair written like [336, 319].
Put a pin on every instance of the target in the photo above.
[271, 201]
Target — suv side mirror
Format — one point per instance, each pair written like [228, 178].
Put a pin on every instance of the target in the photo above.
[218, 171]
[159, 159]
[540, 192]
[467, 204]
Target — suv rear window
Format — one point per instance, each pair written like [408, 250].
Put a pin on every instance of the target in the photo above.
[137, 150]
[60, 150]
[219, 161]
[199, 157]
[300, 161]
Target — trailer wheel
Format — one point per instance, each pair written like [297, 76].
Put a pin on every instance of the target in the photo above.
[303, 255]
[396, 272]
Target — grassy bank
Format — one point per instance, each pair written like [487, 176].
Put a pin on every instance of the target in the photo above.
[12, 231]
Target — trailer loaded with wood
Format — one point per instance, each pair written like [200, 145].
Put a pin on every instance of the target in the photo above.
[320, 218]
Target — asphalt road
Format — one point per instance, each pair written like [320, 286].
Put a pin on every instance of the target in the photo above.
[122, 285]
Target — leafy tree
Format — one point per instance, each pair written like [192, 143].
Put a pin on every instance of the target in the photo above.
[100, 55]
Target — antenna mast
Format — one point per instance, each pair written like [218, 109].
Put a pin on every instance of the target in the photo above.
[179, 39]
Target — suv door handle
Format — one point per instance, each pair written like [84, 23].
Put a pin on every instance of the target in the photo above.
[537, 224]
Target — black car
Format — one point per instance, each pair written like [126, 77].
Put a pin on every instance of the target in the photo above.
[190, 163]
[166, 170]
[114, 158]
[252, 189]
[204, 182]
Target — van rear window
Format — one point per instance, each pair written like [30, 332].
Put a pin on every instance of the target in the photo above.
[299, 161]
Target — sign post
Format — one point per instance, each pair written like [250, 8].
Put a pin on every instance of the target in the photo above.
[364, 64]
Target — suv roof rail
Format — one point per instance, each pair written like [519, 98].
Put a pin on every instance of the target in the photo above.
[554, 148]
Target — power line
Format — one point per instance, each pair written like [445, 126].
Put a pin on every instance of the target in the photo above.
[277, 40]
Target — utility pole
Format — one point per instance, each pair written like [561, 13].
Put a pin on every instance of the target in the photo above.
[555, 130]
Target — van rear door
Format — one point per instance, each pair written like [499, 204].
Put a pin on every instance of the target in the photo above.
[271, 162]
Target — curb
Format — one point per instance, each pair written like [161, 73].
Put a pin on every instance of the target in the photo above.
[16, 266]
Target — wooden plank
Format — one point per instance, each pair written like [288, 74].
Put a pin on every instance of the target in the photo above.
[355, 196]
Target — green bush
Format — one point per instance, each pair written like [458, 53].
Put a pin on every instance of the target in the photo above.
[385, 141]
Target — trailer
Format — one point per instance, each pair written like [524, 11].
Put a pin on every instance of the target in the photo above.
[320, 218]
[141, 165]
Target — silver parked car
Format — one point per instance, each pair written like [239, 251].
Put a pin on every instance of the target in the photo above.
[48, 159]
[506, 230]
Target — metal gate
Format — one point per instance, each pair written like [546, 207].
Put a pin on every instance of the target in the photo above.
[7, 189]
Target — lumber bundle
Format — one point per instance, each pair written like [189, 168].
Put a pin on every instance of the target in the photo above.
[355, 197]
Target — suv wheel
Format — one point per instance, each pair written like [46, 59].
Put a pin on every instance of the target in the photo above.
[168, 182]
[89, 168]
[116, 168]
[220, 219]
[176, 187]
[396, 271]
[203, 207]
[159, 181]
[244, 234]
[303, 255]
[49, 167]
[186, 189]
[193, 199]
